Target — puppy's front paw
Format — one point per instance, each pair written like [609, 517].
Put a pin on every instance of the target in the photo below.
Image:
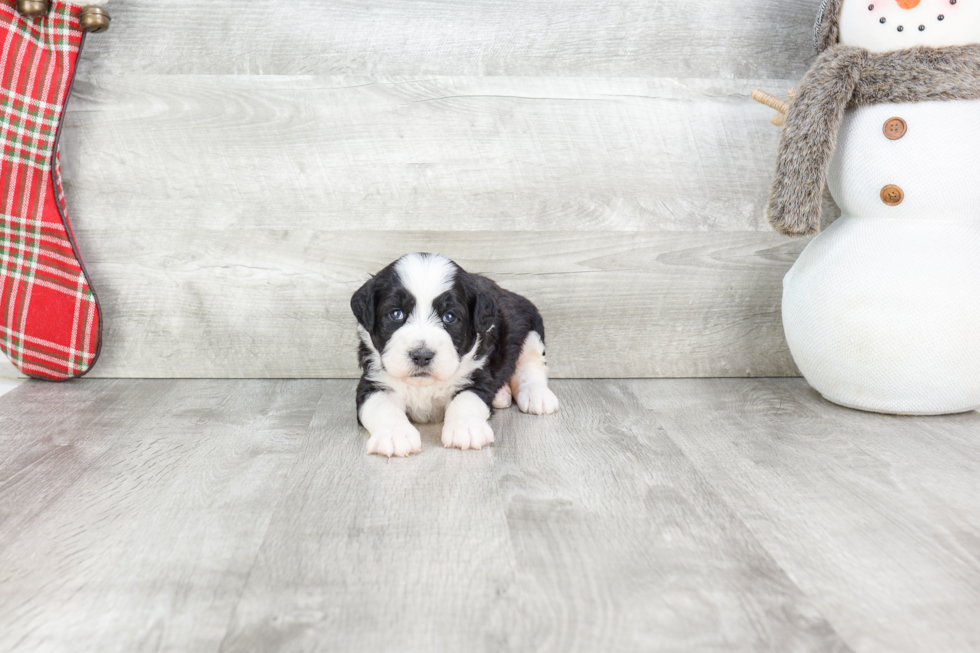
[400, 440]
[537, 400]
[467, 433]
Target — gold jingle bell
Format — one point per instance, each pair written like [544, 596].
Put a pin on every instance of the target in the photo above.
[33, 7]
[95, 19]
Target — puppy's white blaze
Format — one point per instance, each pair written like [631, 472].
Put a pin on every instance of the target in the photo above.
[425, 276]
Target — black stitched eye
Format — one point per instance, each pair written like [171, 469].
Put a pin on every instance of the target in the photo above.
[396, 315]
[448, 318]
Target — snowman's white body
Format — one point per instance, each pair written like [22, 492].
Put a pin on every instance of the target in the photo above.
[882, 310]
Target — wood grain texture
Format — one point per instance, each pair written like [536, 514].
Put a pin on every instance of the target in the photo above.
[874, 516]
[512, 548]
[633, 38]
[366, 554]
[235, 171]
[131, 526]
[675, 515]
[38, 442]
[276, 303]
[614, 529]
[709, 515]
[459, 154]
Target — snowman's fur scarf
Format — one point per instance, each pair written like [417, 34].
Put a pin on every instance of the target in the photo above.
[844, 77]
[826, 30]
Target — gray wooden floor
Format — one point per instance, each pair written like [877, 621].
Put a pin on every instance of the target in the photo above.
[658, 515]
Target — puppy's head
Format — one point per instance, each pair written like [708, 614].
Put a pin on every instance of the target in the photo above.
[421, 316]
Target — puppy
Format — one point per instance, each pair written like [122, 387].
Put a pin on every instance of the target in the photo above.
[438, 343]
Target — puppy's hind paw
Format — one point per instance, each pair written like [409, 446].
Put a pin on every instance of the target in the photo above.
[503, 398]
[400, 440]
[537, 400]
[468, 433]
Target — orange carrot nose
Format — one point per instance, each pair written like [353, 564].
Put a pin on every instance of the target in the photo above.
[908, 4]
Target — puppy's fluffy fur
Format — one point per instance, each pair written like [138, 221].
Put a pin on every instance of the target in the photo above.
[439, 343]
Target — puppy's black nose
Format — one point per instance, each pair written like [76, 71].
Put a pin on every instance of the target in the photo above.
[422, 356]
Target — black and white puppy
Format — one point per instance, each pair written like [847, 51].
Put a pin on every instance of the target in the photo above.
[438, 343]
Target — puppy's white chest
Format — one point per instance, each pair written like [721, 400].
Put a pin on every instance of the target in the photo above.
[426, 404]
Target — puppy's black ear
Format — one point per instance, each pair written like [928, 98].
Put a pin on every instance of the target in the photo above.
[484, 312]
[362, 304]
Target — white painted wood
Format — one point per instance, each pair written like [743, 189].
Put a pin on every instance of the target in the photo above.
[276, 302]
[235, 170]
[470, 153]
[615, 38]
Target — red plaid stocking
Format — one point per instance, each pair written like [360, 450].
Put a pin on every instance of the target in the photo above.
[49, 315]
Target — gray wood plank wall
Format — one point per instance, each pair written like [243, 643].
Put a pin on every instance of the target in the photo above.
[234, 171]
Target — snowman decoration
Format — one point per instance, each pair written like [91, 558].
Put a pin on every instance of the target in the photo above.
[882, 309]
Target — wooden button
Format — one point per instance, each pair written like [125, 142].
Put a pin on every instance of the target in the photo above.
[892, 195]
[894, 128]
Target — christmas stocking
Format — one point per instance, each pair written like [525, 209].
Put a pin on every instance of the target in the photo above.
[50, 325]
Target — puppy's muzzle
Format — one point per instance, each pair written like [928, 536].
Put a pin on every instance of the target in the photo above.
[421, 357]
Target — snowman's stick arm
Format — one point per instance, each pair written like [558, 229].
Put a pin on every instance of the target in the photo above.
[773, 102]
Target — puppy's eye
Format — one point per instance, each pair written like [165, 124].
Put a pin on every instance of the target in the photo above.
[448, 318]
[396, 315]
